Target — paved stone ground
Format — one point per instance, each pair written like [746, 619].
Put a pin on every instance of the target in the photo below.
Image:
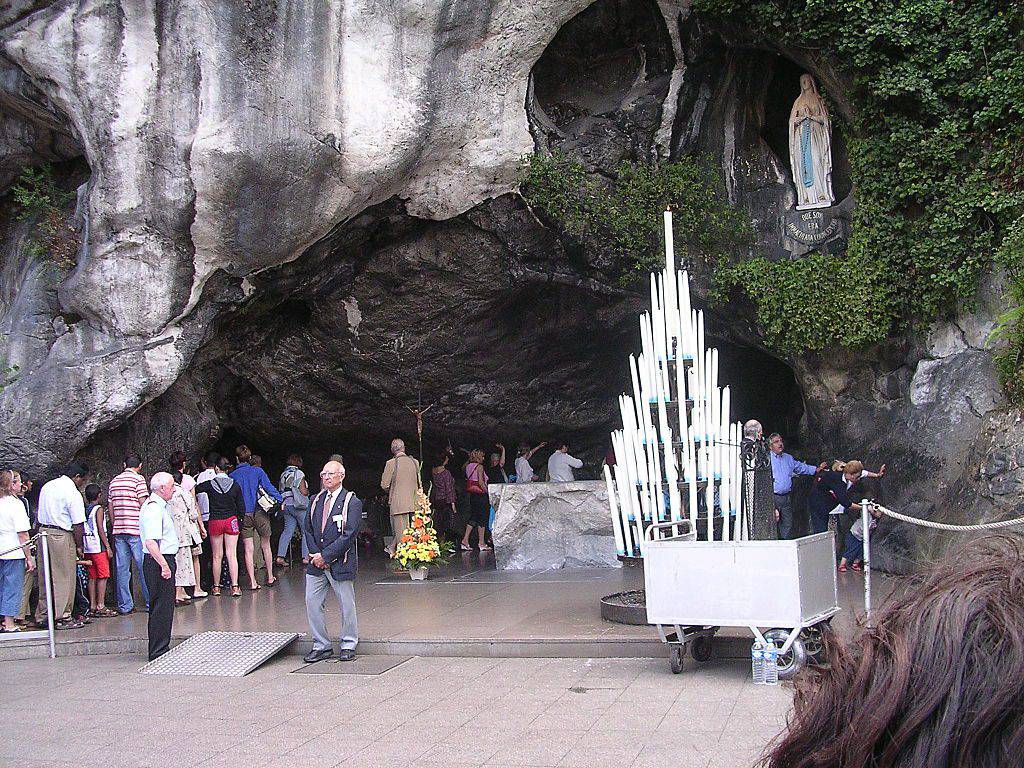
[467, 599]
[434, 712]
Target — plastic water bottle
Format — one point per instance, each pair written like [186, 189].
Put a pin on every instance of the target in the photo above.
[771, 664]
[757, 662]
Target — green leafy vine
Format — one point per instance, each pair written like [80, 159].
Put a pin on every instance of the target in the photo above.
[620, 218]
[936, 146]
[38, 197]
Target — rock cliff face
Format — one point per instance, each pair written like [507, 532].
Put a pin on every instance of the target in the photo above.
[299, 218]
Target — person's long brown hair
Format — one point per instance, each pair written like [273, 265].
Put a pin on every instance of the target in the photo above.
[937, 683]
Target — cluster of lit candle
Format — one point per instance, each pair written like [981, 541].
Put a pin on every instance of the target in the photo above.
[677, 440]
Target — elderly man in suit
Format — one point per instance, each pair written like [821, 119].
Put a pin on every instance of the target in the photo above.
[330, 528]
[401, 479]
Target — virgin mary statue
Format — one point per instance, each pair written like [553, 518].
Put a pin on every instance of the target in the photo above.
[810, 148]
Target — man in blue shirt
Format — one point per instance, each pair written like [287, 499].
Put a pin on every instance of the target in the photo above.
[784, 469]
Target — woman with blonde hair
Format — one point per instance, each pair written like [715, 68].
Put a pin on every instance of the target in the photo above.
[15, 558]
[479, 500]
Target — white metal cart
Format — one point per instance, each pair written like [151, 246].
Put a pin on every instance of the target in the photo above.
[783, 591]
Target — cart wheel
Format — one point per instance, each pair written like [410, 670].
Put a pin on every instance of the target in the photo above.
[675, 659]
[814, 640]
[701, 648]
[793, 660]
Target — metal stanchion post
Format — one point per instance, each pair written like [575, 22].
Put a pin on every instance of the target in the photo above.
[865, 516]
[49, 593]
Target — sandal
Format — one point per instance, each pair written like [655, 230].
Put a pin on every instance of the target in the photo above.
[236, 591]
[842, 569]
[858, 567]
[281, 562]
[256, 588]
[103, 613]
[215, 591]
[466, 547]
[182, 601]
[271, 583]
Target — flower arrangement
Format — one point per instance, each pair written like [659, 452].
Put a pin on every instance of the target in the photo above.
[418, 545]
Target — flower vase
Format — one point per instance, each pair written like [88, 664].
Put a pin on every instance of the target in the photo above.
[418, 573]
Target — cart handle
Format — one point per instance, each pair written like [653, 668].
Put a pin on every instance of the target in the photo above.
[690, 535]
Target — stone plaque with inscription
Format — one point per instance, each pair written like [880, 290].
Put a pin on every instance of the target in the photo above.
[815, 230]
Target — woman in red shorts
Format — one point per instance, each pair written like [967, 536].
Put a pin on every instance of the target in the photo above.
[227, 507]
[97, 551]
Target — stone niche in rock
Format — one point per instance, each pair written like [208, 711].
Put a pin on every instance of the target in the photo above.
[598, 88]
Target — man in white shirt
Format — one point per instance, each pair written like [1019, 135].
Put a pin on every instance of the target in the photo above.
[524, 472]
[62, 516]
[160, 540]
[561, 465]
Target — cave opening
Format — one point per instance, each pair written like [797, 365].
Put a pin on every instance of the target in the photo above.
[481, 317]
[598, 87]
[762, 387]
[542, 364]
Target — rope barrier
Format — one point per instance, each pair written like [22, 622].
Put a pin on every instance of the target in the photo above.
[20, 546]
[867, 505]
[947, 526]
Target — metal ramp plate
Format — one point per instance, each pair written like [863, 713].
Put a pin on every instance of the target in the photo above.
[220, 654]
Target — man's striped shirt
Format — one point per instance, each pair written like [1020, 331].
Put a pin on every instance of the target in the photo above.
[125, 496]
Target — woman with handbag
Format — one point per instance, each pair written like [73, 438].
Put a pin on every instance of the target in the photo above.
[261, 499]
[188, 485]
[479, 500]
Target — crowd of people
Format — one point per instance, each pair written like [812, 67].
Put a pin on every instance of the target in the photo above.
[830, 497]
[478, 471]
[152, 545]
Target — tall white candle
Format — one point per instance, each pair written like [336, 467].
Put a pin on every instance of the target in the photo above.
[614, 509]
[684, 313]
[692, 488]
[670, 251]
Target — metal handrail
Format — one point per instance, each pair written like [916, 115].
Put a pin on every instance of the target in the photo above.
[690, 534]
[45, 565]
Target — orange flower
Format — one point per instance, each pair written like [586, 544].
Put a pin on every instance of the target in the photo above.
[417, 523]
[406, 539]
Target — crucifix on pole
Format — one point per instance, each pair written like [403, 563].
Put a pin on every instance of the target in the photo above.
[418, 412]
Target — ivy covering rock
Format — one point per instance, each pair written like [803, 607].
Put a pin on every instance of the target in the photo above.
[936, 146]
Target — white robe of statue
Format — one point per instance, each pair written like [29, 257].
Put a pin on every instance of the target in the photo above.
[810, 148]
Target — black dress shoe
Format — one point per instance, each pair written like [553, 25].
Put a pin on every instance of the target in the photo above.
[314, 656]
[347, 654]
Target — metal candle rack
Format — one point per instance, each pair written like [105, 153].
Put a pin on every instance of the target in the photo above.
[668, 457]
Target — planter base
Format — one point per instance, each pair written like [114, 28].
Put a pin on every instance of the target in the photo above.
[625, 607]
